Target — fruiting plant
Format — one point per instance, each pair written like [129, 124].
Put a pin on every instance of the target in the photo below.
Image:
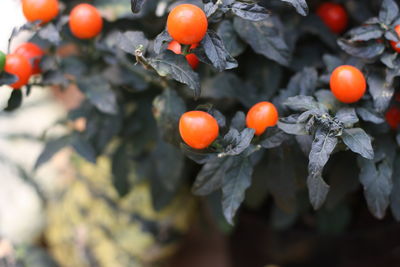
[277, 104]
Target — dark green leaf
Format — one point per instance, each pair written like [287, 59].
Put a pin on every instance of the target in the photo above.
[161, 41]
[301, 103]
[368, 50]
[300, 6]
[200, 157]
[365, 33]
[303, 82]
[168, 164]
[236, 180]
[15, 100]
[377, 183]
[347, 116]
[7, 78]
[331, 62]
[120, 170]
[237, 142]
[229, 37]
[370, 115]
[389, 59]
[216, 52]
[264, 38]
[167, 109]
[210, 8]
[358, 141]
[130, 41]
[136, 5]
[381, 90]
[211, 176]
[50, 33]
[99, 93]
[227, 85]
[314, 25]
[321, 149]
[273, 137]
[83, 148]
[249, 11]
[289, 125]
[239, 121]
[51, 148]
[391, 35]
[176, 66]
[73, 66]
[389, 12]
[317, 190]
[122, 76]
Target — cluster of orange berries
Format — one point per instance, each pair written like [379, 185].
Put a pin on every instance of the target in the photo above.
[187, 25]
[85, 22]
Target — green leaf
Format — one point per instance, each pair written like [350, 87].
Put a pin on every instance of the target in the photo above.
[168, 164]
[370, 115]
[290, 126]
[227, 85]
[200, 157]
[7, 78]
[14, 101]
[170, 64]
[358, 141]
[273, 137]
[347, 116]
[301, 103]
[136, 5]
[236, 142]
[239, 121]
[381, 89]
[264, 38]
[229, 37]
[83, 148]
[377, 183]
[365, 33]
[216, 52]
[249, 11]
[51, 148]
[389, 12]
[161, 41]
[300, 6]
[120, 170]
[167, 109]
[130, 41]
[211, 176]
[235, 183]
[50, 33]
[317, 190]
[99, 93]
[321, 149]
[365, 50]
